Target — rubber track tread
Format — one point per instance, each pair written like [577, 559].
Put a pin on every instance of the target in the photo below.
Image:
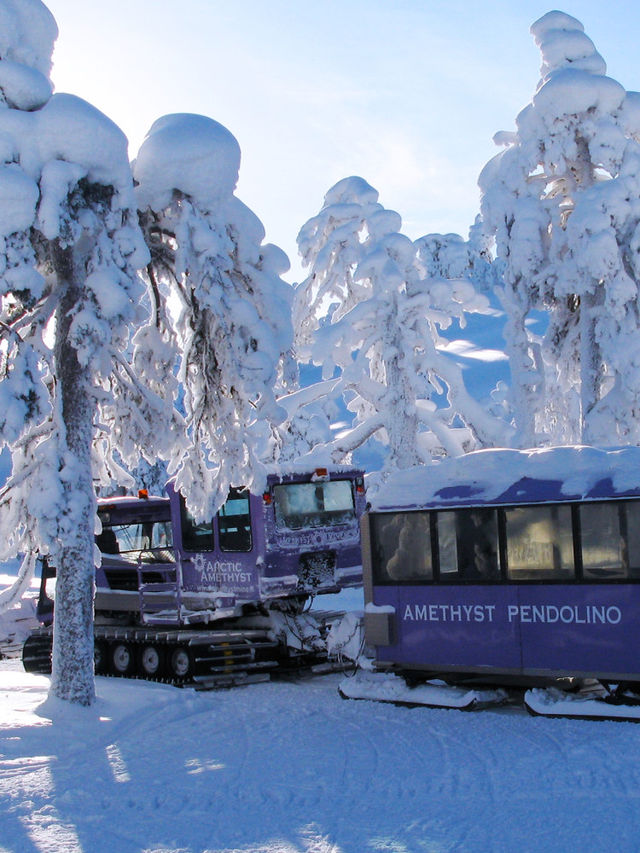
[217, 656]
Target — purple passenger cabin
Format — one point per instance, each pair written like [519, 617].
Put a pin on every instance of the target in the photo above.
[504, 564]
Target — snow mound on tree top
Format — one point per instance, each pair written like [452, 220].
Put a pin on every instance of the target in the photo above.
[24, 88]
[349, 190]
[553, 21]
[571, 91]
[57, 145]
[27, 33]
[70, 129]
[564, 44]
[189, 153]
[67, 129]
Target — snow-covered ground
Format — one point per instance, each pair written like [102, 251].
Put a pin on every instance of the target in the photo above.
[290, 767]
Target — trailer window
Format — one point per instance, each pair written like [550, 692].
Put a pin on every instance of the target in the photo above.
[468, 545]
[401, 547]
[317, 504]
[539, 543]
[632, 516]
[234, 523]
[610, 540]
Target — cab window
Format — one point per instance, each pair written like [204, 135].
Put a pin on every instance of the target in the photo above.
[234, 522]
[195, 536]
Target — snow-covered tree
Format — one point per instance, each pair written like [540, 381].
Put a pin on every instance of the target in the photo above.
[444, 256]
[232, 309]
[306, 431]
[69, 249]
[562, 201]
[332, 244]
[450, 256]
[386, 347]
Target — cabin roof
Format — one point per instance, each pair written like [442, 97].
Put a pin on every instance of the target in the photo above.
[504, 476]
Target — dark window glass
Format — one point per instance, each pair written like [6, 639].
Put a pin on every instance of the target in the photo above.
[468, 545]
[195, 537]
[234, 523]
[401, 547]
[539, 543]
[632, 519]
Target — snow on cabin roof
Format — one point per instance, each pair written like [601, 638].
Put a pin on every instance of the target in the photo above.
[293, 472]
[132, 502]
[512, 476]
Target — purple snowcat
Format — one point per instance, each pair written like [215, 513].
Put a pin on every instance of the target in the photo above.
[299, 538]
[174, 597]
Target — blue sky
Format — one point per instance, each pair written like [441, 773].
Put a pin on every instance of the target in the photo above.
[405, 93]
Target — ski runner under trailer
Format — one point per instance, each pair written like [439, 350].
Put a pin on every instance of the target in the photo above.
[507, 569]
[214, 602]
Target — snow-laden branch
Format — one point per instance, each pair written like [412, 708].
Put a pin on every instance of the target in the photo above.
[12, 595]
[348, 441]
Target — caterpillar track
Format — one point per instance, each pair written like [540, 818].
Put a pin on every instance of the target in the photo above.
[200, 659]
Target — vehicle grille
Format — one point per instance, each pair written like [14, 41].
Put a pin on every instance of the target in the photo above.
[127, 579]
[316, 570]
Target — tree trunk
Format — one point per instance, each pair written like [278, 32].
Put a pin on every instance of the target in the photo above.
[401, 417]
[591, 371]
[527, 380]
[72, 668]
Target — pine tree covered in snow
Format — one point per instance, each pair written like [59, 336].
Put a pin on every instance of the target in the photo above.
[232, 331]
[563, 203]
[385, 346]
[332, 244]
[70, 246]
[444, 256]
[311, 410]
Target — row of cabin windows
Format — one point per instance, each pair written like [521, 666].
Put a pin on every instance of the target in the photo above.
[234, 526]
[558, 542]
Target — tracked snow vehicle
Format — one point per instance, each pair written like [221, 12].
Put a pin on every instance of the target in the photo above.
[219, 601]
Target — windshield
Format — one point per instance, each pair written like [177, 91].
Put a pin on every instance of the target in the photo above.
[134, 537]
[321, 504]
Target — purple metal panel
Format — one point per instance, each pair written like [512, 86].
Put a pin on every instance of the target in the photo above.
[533, 629]
[580, 628]
[340, 542]
[231, 573]
[224, 572]
[457, 626]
